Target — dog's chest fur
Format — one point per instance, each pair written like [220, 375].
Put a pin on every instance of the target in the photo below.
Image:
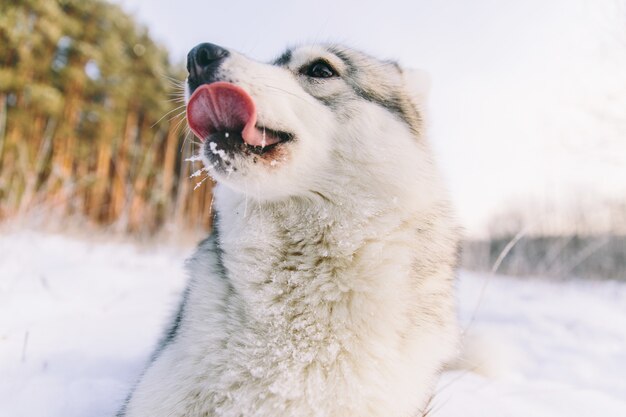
[299, 314]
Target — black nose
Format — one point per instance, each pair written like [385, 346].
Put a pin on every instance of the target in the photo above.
[203, 61]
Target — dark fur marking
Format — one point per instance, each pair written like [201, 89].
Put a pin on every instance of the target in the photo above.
[396, 104]
[393, 104]
[345, 58]
[173, 329]
[326, 101]
[217, 249]
[284, 59]
[215, 237]
[394, 63]
[122, 410]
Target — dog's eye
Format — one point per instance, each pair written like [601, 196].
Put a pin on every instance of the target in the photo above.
[319, 69]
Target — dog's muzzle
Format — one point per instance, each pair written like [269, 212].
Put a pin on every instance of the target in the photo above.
[202, 64]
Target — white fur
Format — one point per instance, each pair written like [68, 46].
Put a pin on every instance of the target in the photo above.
[327, 291]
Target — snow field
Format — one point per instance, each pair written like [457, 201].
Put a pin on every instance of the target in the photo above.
[79, 319]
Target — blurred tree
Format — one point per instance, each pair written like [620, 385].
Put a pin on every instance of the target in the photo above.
[86, 127]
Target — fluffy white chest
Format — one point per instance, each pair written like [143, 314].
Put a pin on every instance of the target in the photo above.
[306, 319]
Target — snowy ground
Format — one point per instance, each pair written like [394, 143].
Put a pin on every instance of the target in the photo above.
[78, 320]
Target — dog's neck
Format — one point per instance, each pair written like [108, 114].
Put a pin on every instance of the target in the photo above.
[267, 248]
[336, 223]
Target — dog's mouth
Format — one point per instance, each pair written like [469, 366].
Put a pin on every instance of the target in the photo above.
[224, 115]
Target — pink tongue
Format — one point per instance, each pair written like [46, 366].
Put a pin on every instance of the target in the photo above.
[224, 107]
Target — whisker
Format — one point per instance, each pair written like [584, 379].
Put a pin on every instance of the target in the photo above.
[186, 139]
[180, 124]
[176, 85]
[166, 114]
[177, 115]
[175, 99]
[171, 79]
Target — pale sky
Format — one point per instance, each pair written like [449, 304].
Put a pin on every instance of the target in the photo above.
[528, 100]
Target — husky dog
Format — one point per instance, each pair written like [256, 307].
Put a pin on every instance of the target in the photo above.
[326, 287]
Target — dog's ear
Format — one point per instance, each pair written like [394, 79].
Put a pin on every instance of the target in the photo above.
[417, 84]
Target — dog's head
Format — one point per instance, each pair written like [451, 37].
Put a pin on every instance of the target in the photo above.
[310, 122]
